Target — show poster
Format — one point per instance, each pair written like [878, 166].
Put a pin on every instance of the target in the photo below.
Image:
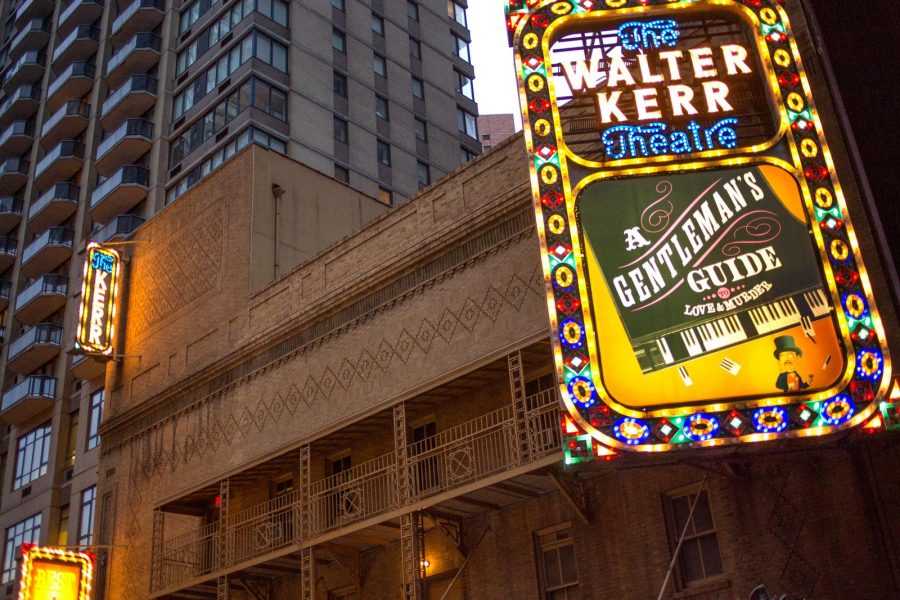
[705, 287]
[715, 283]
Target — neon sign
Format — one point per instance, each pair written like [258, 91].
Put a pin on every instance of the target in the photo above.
[57, 574]
[99, 293]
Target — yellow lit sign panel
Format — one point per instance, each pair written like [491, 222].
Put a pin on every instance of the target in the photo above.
[99, 294]
[55, 574]
[705, 287]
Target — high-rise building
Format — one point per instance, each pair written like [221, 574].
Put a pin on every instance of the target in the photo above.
[111, 110]
[493, 129]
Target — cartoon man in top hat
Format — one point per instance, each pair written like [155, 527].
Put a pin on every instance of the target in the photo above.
[787, 353]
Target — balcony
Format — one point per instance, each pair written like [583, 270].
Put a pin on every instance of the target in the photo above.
[10, 212]
[33, 36]
[5, 291]
[117, 230]
[47, 251]
[73, 83]
[28, 399]
[140, 15]
[33, 8]
[13, 175]
[447, 471]
[67, 122]
[87, 367]
[134, 98]
[78, 45]
[53, 207]
[17, 138]
[43, 297]
[138, 55]
[59, 164]
[8, 246]
[127, 143]
[35, 347]
[27, 69]
[124, 190]
[22, 103]
[78, 12]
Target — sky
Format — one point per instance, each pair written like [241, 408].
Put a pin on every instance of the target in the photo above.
[495, 79]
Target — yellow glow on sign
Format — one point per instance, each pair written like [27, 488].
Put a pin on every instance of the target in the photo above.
[99, 293]
[56, 574]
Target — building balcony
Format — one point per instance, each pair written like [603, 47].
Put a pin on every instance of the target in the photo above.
[47, 251]
[33, 36]
[10, 212]
[138, 55]
[87, 367]
[73, 83]
[140, 15]
[134, 98]
[127, 143]
[80, 44]
[43, 297]
[478, 463]
[66, 123]
[59, 164]
[5, 291]
[17, 138]
[121, 192]
[8, 245]
[78, 12]
[33, 8]
[28, 68]
[22, 103]
[118, 229]
[26, 400]
[13, 175]
[35, 347]
[53, 207]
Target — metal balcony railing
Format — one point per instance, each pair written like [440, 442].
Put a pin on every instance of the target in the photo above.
[14, 165]
[33, 26]
[82, 32]
[55, 236]
[45, 333]
[32, 57]
[69, 109]
[16, 128]
[60, 191]
[47, 284]
[143, 40]
[5, 289]
[34, 386]
[129, 174]
[23, 92]
[131, 9]
[135, 83]
[130, 128]
[8, 245]
[121, 226]
[73, 6]
[65, 149]
[76, 69]
[10, 205]
[474, 450]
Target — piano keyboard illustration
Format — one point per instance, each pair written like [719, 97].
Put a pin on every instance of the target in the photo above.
[723, 332]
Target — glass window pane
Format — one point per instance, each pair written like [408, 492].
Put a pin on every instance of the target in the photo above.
[264, 48]
[280, 14]
[712, 560]
[567, 564]
[265, 7]
[551, 568]
[702, 517]
[691, 567]
[279, 59]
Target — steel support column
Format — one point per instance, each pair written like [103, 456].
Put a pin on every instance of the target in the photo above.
[307, 574]
[224, 509]
[156, 561]
[520, 409]
[412, 555]
[223, 588]
[404, 491]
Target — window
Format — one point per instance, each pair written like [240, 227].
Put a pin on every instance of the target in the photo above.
[192, 13]
[27, 531]
[699, 557]
[94, 418]
[415, 48]
[341, 133]
[86, 520]
[423, 174]
[559, 569]
[340, 85]
[465, 155]
[418, 88]
[377, 25]
[338, 4]
[72, 439]
[412, 10]
[467, 123]
[32, 455]
[465, 86]
[462, 48]
[457, 12]
[421, 130]
[386, 197]
[379, 65]
[382, 109]
[384, 153]
[338, 40]
[341, 173]
[62, 528]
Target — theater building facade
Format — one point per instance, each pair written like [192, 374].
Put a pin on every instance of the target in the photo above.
[302, 413]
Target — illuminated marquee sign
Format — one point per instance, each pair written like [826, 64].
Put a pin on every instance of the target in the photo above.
[55, 574]
[704, 283]
[99, 292]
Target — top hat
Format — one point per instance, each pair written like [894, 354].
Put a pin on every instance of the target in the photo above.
[786, 343]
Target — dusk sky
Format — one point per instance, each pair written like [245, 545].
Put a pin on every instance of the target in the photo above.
[495, 82]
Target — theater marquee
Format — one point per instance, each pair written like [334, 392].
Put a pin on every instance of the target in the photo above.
[99, 294]
[55, 574]
[704, 282]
